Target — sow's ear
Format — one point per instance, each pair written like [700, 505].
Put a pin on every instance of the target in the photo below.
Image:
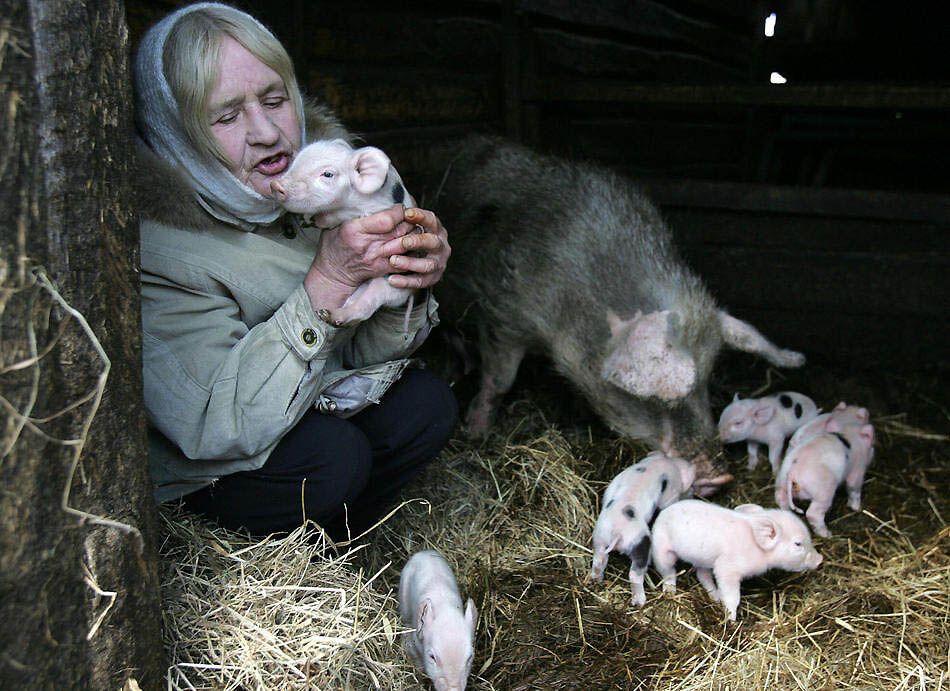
[743, 336]
[368, 169]
[643, 360]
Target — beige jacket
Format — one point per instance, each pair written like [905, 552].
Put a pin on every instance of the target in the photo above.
[233, 355]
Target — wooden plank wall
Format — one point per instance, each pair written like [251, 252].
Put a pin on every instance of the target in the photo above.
[830, 218]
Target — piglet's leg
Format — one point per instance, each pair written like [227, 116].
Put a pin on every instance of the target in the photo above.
[367, 298]
[638, 596]
[729, 591]
[816, 514]
[853, 482]
[705, 577]
[775, 455]
[639, 559]
[664, 560]
[599, 563]
[500, 362]
[753, 448]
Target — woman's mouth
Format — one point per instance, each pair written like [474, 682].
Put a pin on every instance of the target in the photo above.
[274, 165]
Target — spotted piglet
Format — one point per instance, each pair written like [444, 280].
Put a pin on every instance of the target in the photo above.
[330, 182]
[836, 448]
[630, 502]
[729, 545]
[768, 420]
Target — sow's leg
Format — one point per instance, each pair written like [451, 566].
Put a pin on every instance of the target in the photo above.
[500, 361]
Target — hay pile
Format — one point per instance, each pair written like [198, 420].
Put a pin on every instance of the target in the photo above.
[514, 515]
[273, 614]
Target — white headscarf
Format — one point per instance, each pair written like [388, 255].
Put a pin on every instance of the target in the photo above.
[160, 123]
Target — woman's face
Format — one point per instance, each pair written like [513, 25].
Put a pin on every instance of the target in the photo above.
[252, 118]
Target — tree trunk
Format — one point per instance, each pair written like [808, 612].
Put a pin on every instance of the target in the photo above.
[79, 590]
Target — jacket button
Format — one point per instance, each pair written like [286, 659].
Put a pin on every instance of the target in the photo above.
[309, 336]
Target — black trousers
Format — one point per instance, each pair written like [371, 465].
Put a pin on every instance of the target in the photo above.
[325, 463]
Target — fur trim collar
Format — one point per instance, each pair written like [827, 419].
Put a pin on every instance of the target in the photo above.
[163, 193]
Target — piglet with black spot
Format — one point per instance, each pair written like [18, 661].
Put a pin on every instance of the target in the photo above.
[329, 183]
[834, 449]
[768, 420]
[630, 502]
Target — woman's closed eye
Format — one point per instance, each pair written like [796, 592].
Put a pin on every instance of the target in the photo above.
[227, 118]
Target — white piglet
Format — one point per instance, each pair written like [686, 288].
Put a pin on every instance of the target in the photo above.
[768, 420]
[630, 502]
[729, 545]
[330, 182]
[429, 602]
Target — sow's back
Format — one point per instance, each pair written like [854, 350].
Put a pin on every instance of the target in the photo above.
[574, 262]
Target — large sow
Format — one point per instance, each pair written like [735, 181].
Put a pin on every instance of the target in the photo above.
[573, 261]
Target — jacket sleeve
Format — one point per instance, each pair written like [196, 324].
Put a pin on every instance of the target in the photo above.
[221, 390]
[387, 335]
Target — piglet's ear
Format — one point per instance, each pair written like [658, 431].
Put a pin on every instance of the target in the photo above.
[471, 614]
[867, 433]
[423, 613]
[765, 532]
[749, 508]
[368, 169]
[763, 413]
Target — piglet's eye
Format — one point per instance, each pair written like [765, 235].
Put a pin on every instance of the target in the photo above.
[798, 544]
[328, 173]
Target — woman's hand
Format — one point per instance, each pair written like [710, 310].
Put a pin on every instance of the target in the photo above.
[371, 246]
[354, 252]
[431, 252]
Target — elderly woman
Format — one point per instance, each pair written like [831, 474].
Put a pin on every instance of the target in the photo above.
[263, 415]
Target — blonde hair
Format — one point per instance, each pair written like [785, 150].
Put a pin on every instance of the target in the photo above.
[190, 63]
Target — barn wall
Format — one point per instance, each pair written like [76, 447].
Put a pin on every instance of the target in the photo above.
[676, 93]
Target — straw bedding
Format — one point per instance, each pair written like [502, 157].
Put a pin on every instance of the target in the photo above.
[514, 516]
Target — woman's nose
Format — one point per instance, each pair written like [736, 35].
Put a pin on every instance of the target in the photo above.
[261, 129]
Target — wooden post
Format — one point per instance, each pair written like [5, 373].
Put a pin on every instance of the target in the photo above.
[78, 565]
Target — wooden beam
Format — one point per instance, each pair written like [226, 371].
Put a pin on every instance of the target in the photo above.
[865, 96]
[906, 206]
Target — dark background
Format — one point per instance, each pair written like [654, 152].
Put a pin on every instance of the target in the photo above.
[818, 209]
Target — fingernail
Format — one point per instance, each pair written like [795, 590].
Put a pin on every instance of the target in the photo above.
[395, 260]
[410, 214]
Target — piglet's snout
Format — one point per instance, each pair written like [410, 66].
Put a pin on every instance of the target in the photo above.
[813, 560]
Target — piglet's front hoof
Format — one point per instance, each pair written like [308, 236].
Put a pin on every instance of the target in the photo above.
[327, 316]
